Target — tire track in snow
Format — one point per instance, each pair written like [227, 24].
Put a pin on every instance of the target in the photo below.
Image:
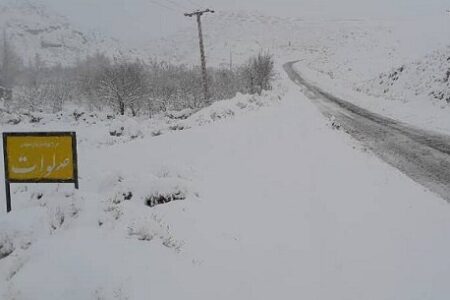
[422, 155]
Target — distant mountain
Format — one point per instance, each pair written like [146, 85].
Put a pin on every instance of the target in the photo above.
[35, 30]
[234, 36]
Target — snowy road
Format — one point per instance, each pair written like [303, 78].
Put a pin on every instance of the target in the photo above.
[422, 155]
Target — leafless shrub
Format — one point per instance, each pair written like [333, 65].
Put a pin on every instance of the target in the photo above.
[258, 73]
[122, 86]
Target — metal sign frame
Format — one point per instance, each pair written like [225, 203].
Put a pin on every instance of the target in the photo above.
[8, 181]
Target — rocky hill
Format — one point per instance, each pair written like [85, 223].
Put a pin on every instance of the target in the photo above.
[36, 30]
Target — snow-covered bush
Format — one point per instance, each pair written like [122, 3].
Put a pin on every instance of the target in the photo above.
[258, 73]
[125, 127]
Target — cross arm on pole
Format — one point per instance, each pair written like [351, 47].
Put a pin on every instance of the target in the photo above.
[199, 12]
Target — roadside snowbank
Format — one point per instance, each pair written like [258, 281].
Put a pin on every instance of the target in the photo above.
[103, 130]
[418, 112]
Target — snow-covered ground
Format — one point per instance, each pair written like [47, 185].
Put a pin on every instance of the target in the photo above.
[272, 203]
[266, 199]
[419, 111]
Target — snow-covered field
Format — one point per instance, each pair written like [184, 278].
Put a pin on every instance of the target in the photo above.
[271, 203]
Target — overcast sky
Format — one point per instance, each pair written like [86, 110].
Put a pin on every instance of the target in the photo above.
[134, 20]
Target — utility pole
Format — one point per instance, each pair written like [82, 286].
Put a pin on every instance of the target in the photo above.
[231, 60]
[199, 14]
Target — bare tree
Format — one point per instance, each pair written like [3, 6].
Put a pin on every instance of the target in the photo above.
[10, 65]
[124, 85]
[133, 86]
[30, 93]
[58, 91]
[88, 73]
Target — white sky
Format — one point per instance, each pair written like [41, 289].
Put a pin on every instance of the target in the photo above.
[138, 20]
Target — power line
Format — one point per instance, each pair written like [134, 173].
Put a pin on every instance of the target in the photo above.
[194, 3]
[161, 5]
[177, 4]
[164, 6]
[173, 4]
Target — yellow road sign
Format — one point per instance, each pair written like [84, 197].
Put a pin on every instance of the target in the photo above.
[40, 157]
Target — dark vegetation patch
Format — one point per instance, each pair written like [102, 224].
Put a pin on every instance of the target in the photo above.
[160, 198]
[117, 132]
[6, 248]
[178, 127]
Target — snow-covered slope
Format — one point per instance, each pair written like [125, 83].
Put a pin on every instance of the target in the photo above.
[33, 29]
[424, 79]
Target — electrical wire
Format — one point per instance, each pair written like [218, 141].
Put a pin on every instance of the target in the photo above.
[195, 3]
[165, 6]
[177, 4]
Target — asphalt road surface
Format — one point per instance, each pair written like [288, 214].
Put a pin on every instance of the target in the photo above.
[422, 155]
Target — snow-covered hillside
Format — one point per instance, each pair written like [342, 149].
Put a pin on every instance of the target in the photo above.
[351, 50]
[35, 30]
[424, 79]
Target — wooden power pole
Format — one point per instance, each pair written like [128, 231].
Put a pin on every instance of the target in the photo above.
[199, 14]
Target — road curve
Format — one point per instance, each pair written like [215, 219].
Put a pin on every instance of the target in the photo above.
[422, 155]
